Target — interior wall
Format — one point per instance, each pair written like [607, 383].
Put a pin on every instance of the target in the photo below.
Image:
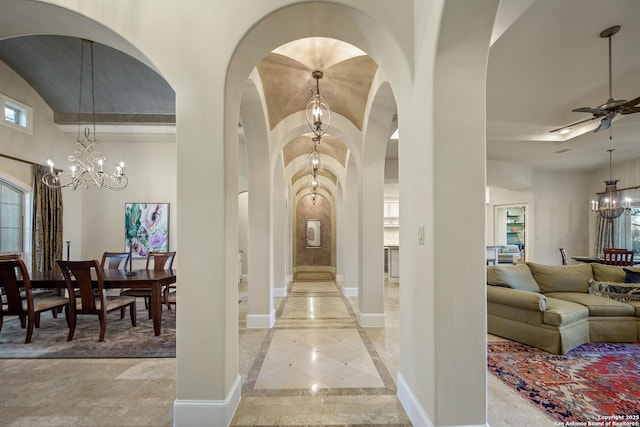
[322, 210]
[243, 227]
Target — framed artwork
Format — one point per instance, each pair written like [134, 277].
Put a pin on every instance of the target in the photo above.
[146, 228]
[313, 233]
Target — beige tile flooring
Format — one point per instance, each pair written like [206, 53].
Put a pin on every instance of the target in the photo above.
[315, 367]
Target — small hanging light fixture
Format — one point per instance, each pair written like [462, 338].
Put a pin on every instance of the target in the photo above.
[86, 161]
[610, 204]
[318, 112]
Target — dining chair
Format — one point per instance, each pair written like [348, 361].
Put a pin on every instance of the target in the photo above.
[563, 254]
[79, 274]
[114, 260]
[155, 261]
[21, 302]
[618, 256]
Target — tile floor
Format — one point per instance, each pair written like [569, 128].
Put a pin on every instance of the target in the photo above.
[315, 367]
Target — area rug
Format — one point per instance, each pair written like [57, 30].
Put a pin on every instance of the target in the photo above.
[594, 384]
[121, 339]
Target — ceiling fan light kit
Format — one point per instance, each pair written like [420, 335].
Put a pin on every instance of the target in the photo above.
[607, 111]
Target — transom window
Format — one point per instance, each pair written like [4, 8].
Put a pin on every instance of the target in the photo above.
[16, 114]
[11, 218]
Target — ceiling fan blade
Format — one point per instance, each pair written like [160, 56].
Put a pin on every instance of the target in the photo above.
[588, 110]
[630, 106]
[576, 123]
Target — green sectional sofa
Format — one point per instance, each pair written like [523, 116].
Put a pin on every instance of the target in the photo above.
[557, 308]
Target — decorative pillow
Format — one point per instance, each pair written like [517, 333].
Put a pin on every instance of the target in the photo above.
[561, 278]
[615, 290]
[516, 276]
[631, 276]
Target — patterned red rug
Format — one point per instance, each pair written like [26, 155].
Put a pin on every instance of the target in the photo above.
[592, 385]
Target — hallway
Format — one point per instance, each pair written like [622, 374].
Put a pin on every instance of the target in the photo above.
[316, 366]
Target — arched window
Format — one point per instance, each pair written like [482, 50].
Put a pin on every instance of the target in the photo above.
[11, 218]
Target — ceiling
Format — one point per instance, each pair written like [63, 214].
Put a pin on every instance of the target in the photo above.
[547, 59]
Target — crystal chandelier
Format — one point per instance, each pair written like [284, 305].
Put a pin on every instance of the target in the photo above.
[86, 161]
[610, 204]
[318, 116]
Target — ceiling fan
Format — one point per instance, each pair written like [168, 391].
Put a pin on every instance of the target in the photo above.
[607, 111]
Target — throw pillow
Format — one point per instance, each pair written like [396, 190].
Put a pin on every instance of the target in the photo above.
[516, 276]
[615, 290]
[561, 278]
[631, 276]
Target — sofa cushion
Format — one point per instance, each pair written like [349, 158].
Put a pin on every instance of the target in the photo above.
[560, 312]
[615, 290]
[597, 305]
[610, 273]
[516, 276]
[631, 276]
[562, 278]
[636, 306]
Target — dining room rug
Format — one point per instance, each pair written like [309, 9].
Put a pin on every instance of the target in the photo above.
[593, 384]
[121, 339]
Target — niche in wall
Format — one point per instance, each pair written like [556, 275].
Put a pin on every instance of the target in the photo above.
[317, 251]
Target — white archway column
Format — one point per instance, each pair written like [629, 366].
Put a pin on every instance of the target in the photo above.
[278, 233]
[260, 310]
[350, 240]
[371, 231]
[443, 335]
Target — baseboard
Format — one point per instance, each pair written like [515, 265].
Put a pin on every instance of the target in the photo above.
[314, 268]
[416, 413]
[288, 280]
[392, 279]
[350, 292]
[261, 321]
[280, 292]
[368, 320]
[339, 278]
[244, 278]
[204, 413]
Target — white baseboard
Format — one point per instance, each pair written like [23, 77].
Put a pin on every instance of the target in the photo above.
[339, 278]
[393, 279]
[280, 292]
[411, 405]
[261, 321]
[415, 411]
[349, 292]
[288, 280]
[371, 320]
[204, 413]
[244, 278]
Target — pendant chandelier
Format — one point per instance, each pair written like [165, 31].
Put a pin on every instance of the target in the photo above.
[86, 161]
[318, 116]
[610, 204]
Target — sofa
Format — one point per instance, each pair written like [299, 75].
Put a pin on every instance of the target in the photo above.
[559, 307]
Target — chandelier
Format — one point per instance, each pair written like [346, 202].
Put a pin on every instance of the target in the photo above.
[318, 116]
[86, 161]
[610, 204]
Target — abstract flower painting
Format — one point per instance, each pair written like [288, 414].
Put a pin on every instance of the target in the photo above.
[146, 228]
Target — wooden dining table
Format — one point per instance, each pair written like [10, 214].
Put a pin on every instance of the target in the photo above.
[155, 280]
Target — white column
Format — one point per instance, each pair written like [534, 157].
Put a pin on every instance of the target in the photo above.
[278, 225]
[350, 239]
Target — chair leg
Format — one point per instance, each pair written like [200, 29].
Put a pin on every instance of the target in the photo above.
[30, 321]
[103, 325]
[132, 311]
[122, 312]
[1, 319]
[54, 311]
[36, 319]
[71, 321]
[23, 321]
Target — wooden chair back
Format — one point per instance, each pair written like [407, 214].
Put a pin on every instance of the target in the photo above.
[563, 254]
[11, 270]
[79, 274]
[114, 260]
[618, 256]
[160, 260]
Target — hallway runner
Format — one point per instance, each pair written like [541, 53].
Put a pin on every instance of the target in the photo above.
[593, 384]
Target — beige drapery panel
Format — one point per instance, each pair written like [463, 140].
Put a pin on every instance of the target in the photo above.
[47, 223]
[606, 234]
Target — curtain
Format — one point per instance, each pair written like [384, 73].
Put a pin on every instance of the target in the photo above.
[607, 234]
[47, 223]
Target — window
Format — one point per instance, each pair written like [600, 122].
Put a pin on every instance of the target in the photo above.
[11, 214]
[16, 114]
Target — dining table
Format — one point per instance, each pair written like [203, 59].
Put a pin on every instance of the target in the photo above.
[155, 280]
[594, 259]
